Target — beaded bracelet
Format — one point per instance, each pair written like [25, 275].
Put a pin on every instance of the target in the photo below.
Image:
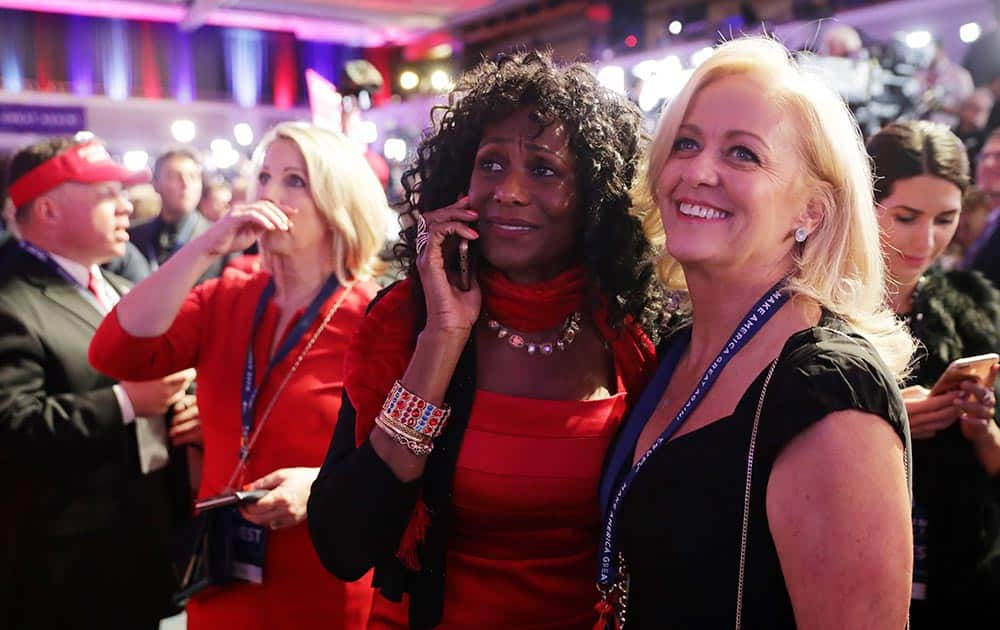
[406, 408]
[420, 446]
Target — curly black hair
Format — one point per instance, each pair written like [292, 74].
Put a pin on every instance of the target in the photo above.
[605, 135]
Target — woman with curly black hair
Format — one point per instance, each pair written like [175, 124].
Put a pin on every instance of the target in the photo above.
[481, 394]
[921, 172]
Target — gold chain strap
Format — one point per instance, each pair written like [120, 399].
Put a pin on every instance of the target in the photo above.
[746, 495]
[241, 465]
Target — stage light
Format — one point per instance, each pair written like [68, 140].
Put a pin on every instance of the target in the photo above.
[671, 64]
[631, 41]
[394, 149]
[223, 154]
[918, 39]
[644, 70]
[182, 130]
[364, 132]
[675, 27]
[969, 32]
[135, 160]
[243, 134]
[613, 78]
[220, 145]
[408, 80]
[649, 96]
[440, 80]
[700, 56]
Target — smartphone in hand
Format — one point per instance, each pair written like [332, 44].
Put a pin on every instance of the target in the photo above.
[242, 497]
[460, 262]
[464, 266]
[975, 368]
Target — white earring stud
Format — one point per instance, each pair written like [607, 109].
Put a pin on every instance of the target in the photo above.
[801, 234]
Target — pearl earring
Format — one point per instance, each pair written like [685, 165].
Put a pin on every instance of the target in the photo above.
[801, 234]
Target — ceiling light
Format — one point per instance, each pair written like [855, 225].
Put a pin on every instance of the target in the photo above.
[408, 79]
[917, 39]
[182, 130]
[135, 160]
[969, 32]
[394, 149]
[440, 80]
[243, 133]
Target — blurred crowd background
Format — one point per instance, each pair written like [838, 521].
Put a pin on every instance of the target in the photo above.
[211, 76]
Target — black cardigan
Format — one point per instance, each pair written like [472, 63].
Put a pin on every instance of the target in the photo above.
[358, 509]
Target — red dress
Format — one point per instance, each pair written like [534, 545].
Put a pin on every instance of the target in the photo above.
[211, 333]
[523, 548]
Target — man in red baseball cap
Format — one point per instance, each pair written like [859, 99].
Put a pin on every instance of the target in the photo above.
[84, 541]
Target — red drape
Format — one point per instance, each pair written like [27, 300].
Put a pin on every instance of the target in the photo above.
[381, 58]
[149, 68]
[285, 83]
[43, 54]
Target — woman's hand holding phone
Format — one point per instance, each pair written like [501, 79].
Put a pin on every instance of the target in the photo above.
[928, 413]
[450, 309]
[977, 406]
[971, 402]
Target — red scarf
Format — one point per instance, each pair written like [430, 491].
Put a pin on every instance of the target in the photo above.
[382, 347]
[533, 307]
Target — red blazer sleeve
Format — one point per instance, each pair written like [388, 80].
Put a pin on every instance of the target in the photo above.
[378, 355]
[121, 355]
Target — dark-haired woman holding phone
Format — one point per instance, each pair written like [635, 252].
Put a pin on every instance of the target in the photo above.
[921, 173]
[475, 421]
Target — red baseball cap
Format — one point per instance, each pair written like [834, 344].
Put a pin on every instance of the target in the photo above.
[86, 163]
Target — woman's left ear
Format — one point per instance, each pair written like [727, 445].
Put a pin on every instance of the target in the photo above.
[812, 217]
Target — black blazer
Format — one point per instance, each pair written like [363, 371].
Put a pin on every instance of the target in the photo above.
[358, 509]
[145, 236]
[84, 536]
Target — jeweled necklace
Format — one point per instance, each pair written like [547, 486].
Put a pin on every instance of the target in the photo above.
[570, 329]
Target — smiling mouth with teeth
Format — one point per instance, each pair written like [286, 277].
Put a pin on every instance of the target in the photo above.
[701, 212]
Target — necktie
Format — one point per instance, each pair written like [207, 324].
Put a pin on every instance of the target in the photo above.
[166, 243]
[95, 290]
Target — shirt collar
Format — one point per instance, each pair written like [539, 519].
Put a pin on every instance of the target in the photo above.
[78, 272]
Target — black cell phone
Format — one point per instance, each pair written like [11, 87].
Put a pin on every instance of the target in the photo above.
[460, 260]
[464, 266]
[242, 497]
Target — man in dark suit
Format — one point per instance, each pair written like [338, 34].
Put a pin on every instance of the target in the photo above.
[84, 536]
[984, 255]
[177, 179]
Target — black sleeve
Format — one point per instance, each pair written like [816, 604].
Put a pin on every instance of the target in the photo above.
[358, 509]
[820, 379]
[47, 430]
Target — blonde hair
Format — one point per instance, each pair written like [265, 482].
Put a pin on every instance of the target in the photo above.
[840, 267]
[345, 190]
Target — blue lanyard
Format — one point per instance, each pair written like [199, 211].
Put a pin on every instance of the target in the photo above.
[46, 259]
[248, 399]
[762, 311]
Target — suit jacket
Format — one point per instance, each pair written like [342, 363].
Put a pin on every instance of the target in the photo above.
[987, 258]
[84, 540]
[133, 266]
[146, 235]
